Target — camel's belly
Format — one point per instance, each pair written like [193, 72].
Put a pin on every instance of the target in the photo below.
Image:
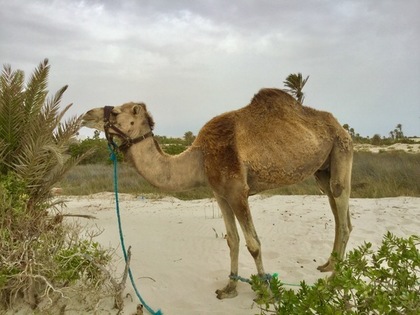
[275, 175]
[284, 168]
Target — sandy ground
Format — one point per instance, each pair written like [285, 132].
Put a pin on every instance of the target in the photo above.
[179, 255]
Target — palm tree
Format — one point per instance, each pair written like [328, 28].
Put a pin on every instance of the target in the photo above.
[295, 83]
[33, 139]
[398, 131]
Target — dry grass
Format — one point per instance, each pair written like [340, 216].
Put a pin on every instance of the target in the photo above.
[386, 174]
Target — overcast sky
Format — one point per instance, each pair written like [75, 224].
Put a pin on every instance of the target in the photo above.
[191, 60]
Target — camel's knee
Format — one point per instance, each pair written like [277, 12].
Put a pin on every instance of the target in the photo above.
[341, 166]
[254, 247]
[336, 188]
[255, 252]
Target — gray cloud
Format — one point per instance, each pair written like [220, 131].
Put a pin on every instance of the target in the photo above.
[191, 60]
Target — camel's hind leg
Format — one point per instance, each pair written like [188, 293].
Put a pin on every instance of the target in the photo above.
[335, 182]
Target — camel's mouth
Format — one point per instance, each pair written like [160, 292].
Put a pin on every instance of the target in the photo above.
[92, 120]
[88, 121]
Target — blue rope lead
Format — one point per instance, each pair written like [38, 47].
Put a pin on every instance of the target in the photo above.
[267, 277]
[114, 159]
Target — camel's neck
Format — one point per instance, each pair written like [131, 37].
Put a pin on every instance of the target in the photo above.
[172, 173]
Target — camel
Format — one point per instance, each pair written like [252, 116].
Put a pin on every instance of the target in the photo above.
[273, 141]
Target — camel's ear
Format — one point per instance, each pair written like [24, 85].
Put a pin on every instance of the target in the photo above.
[141, 106]
[136, 109]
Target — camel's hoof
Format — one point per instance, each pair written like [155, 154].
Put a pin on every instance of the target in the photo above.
[226, 293]
[328, 266]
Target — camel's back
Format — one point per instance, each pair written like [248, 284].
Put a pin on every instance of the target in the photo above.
[272, 116]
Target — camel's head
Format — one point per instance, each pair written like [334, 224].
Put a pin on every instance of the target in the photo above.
[132, 119]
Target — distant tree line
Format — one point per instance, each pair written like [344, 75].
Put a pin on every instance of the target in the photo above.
[395, 136]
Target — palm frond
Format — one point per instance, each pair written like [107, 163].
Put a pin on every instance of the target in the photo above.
[295, 83]
[3, 149]
[11, 111]
[67, 130]
[36, 89]
[51, 110]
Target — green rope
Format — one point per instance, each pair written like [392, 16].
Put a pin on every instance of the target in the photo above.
[113, 157]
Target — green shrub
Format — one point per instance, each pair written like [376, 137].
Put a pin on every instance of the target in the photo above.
[385, 281]
[96, 145]
[75, 262]
[99, 146]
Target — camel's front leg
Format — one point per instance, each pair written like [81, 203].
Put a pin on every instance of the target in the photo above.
[342, 233]
[232, 237]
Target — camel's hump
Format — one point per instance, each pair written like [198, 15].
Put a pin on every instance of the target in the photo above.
[274, 98]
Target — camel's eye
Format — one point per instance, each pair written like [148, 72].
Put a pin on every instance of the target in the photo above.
[132, 123]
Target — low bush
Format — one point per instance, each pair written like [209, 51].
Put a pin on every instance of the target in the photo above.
[385, 281]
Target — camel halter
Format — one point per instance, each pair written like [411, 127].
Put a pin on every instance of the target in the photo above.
[126, 140]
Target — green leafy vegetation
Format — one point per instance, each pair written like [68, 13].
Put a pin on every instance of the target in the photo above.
[96, 144]
[385, 281]
[75, 262]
